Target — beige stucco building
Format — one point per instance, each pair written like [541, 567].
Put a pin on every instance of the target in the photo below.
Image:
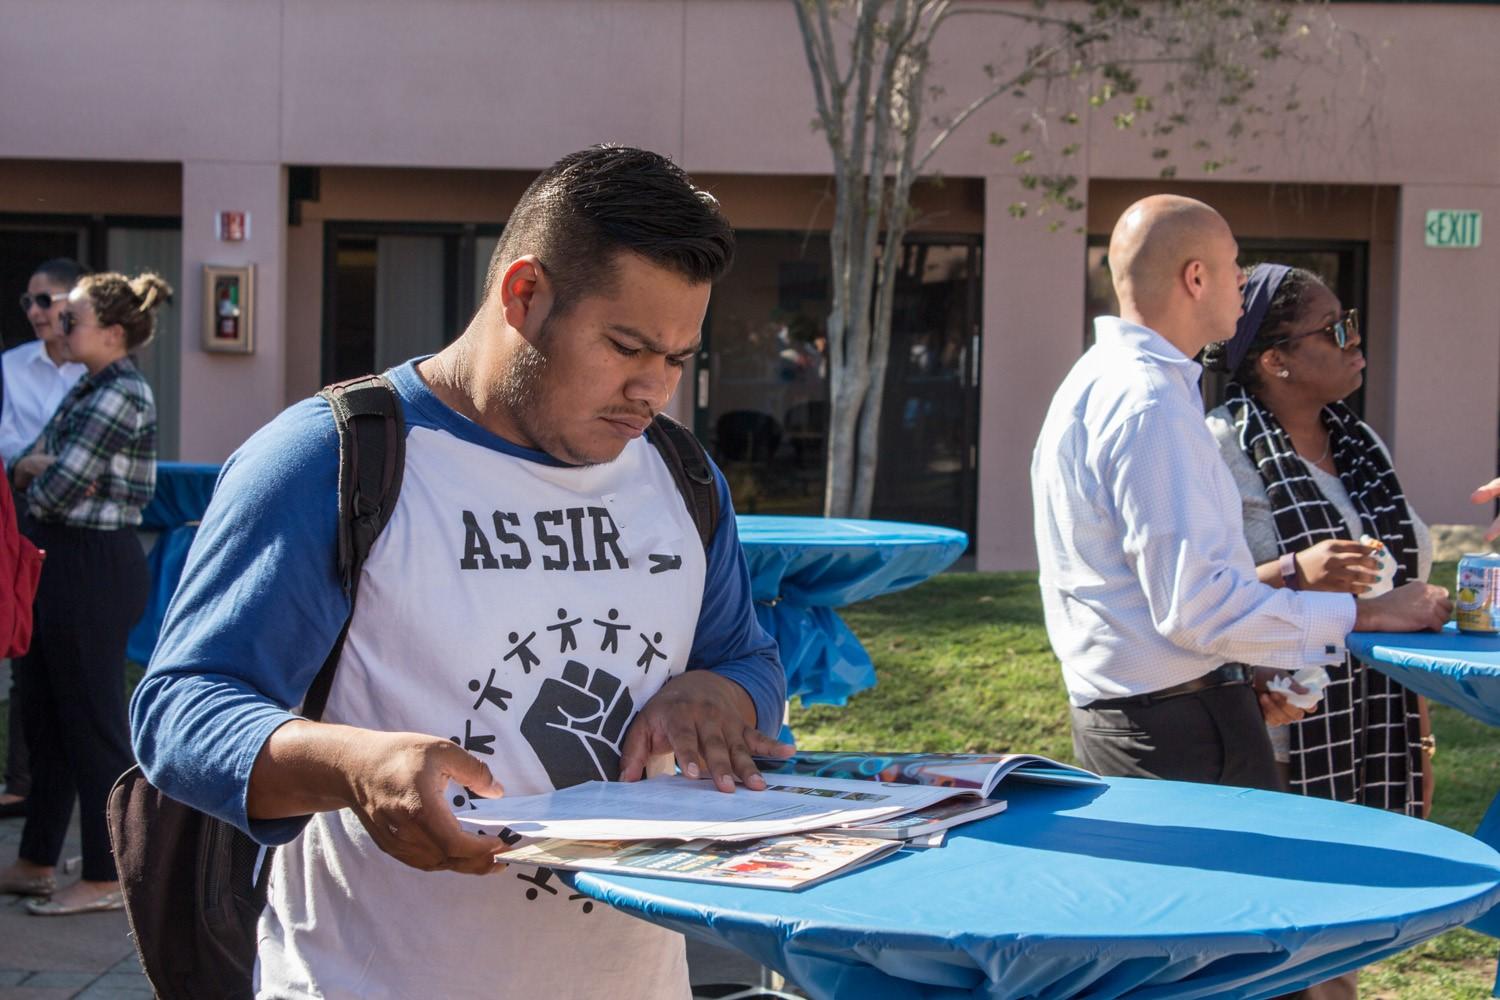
[377, 146]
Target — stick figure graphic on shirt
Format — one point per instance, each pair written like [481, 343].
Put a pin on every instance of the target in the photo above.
[522, 650]
[611, 643]
[650, 652]
[540, 880]
[472, 743]
[565, 627]
[488, 692]
[466, 798]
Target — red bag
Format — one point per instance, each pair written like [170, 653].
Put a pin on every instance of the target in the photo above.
[20, 569]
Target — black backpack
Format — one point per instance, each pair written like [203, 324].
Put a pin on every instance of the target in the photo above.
[194, 885]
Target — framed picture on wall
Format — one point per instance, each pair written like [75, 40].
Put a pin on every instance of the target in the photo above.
[229, 308]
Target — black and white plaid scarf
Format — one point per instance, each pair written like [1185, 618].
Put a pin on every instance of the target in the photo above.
[1362, 746]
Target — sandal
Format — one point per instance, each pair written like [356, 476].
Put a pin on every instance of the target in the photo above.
[51, 908]
[29, 885]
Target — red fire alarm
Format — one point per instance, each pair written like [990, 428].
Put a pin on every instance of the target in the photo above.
[233, 227]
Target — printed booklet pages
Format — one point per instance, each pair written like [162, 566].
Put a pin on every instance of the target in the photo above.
[862, 806]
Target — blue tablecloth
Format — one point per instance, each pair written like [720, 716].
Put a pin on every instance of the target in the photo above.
[182, 493]
[1460, 669]
[1142, 889]
[801, 568]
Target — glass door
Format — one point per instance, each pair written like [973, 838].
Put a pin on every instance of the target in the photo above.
[393, 291]
[761, 398]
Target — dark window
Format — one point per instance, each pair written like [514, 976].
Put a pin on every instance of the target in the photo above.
[393, 291]
[762, 389]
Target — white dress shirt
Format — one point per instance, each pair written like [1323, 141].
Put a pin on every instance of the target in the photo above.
[1146, 578]
[34, 387]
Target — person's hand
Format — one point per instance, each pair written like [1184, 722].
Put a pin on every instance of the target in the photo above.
[28, 468]
[1337, 565]
[1489, 491]
[702, 718]
[397, 784]
[1274, 706]
[1411, 607]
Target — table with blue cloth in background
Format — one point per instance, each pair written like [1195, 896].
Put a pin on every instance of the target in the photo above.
[1133, 888]
[183, 490]
[802, 568]
[1460, 670]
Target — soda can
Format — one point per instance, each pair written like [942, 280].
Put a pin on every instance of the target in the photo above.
[1479, 593]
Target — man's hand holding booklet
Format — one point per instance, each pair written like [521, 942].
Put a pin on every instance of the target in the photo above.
[821, 813]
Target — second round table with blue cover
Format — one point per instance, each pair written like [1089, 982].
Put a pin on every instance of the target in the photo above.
[1460, 670]
[182, 493]
[1155, 890]
[802, 568]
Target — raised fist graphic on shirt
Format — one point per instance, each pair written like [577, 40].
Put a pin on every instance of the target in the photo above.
[577, 723]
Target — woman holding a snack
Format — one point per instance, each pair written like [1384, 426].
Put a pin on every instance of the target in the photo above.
[1323, 510]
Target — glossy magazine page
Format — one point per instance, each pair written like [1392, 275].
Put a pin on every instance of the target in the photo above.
[977, 772]
[790, 862]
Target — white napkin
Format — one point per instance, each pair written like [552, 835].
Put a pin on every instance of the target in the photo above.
[1314, 679]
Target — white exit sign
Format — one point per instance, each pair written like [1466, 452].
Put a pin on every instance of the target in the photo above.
[1456, 229]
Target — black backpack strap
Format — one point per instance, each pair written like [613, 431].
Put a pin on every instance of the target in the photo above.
[688, 463]
[372, 458]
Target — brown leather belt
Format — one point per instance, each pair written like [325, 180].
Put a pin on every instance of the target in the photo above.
[1228, 673]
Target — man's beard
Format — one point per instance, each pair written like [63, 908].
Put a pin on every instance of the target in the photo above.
[523, 390]
[520, 384]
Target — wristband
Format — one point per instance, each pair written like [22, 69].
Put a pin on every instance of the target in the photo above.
[1289, 570]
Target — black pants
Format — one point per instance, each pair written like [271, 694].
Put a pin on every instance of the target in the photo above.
[17, 755]
[1216, 736]
[93, 590]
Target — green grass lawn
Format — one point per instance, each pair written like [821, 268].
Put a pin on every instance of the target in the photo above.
[964, 665]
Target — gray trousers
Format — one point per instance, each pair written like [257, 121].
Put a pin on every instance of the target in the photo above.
[1216, 737]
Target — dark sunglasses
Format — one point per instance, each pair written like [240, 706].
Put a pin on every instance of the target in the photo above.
[1342, 330]
[42, 300]
[68, 321]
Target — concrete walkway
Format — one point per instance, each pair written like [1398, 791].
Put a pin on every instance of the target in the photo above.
[56, 958]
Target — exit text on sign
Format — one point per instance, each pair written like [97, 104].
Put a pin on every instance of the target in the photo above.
[1456, 228]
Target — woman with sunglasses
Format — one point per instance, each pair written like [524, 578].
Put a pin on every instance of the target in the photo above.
[85, 481]
[36, 376]
[1314, 478]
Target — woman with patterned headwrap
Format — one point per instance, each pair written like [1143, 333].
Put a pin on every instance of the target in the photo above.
[1314, 479]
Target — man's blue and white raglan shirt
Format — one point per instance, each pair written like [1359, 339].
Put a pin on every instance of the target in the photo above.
[524, 608]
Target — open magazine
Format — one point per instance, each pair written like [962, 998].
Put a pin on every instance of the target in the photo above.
[978, 773]
[789, 862]
[809, 791]
[672, 807]
[922, 823]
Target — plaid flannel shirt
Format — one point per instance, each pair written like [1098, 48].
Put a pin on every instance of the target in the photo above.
[104, 438]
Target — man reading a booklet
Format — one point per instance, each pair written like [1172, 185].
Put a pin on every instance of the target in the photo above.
[541, 610]
[1150, 594]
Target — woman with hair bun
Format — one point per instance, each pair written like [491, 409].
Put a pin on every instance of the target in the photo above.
[85, 481]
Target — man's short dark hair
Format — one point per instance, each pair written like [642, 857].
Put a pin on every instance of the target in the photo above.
[583, 210]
